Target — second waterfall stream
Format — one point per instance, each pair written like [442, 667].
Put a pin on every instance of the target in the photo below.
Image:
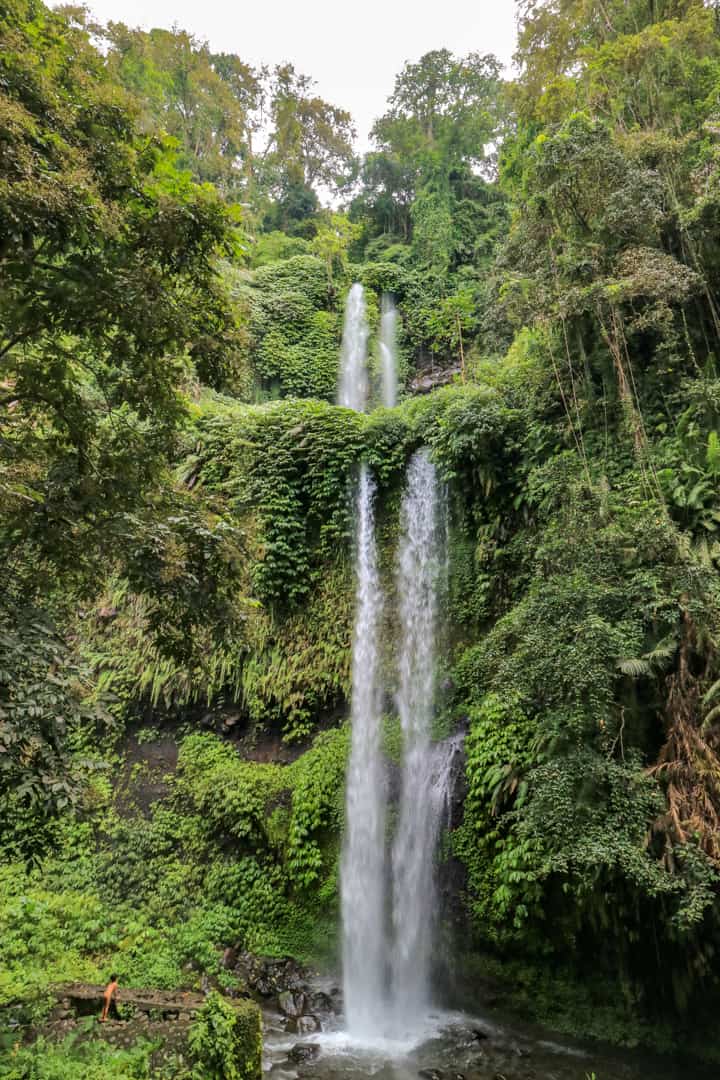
[389, 896]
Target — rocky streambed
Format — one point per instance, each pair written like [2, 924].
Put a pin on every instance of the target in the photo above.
[304, 1039]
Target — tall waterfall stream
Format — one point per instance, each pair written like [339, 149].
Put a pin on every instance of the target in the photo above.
[388, 920]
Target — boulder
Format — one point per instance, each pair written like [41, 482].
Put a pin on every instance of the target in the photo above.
[229, 958]
[306, 1025]
[303, 1052]
[321, 1002]
[292, 1003]
[268, 975]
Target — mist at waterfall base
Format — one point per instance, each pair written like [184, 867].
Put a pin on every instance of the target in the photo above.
[388, 905]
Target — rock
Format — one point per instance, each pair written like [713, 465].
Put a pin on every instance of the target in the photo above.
[425, 381]
[321, 1002]
[303, 1052]
[479, 1034]
[229, 958]
[268, 975]
[292, 1003]
[431, 1074]
[306, 1025]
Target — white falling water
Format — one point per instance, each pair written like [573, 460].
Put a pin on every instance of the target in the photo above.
[362, 877]
[368, 953]
[426, 768]
[363, 863]
[353, 382]
[388, 351]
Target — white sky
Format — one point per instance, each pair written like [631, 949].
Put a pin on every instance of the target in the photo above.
[353, 51]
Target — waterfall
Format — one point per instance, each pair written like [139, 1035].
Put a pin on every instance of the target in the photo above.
[388, 350]
[363, 863]
[369, 953]
[362, 875]
[353, 382]
[426, 768]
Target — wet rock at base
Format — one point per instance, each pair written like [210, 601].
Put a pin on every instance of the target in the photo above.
[321, 1002]
[303, 1052]
[304, 1025]
[292, 1003]
[431, 1074]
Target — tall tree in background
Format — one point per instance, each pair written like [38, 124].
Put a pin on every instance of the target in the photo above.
[443, 114]
[644, 62]
[261, 136]
[206, 102]
[309, 150]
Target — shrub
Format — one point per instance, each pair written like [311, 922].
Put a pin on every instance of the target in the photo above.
[226, 1041]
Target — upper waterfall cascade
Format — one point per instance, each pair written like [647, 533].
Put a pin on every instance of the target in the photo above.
[353, 382]
[388, 351]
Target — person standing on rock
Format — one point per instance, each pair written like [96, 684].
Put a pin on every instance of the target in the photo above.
[110, 992]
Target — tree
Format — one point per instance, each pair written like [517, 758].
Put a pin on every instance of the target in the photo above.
[106, 257]
[444, 112]
[309, 151]
[643, 63]
[311, 140]
[208, 103]
[442, 118]
[109, 289]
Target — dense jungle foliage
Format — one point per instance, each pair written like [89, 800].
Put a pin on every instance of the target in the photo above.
[178, 232]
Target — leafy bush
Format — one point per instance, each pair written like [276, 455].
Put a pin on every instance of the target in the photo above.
[225, 1040]
[73, 1059]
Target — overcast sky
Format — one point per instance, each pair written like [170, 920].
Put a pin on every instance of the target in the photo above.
[353, 51]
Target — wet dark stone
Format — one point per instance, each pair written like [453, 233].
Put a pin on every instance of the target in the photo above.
[302, 1025]
[306, 1025]
[303, 1052]
[321, 1003]
[269, 975]
[479, 1034]
[431, 1074]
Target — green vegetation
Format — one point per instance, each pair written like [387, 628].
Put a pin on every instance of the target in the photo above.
[226, 1041]
[176, 506]
[73, 1060]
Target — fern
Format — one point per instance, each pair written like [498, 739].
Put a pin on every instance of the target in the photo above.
[712, 455]
[657, 659]
[635, 668]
